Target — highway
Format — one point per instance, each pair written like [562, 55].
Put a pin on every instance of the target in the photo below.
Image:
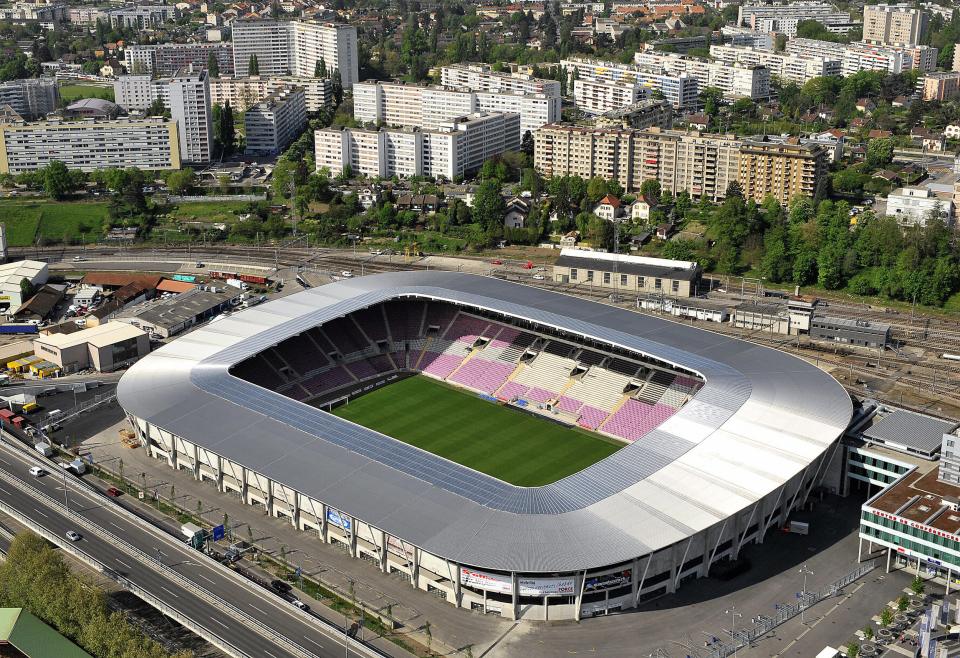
[261, 623]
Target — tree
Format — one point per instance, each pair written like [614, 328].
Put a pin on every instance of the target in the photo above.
[902, 602]
[57, 182]
[182, 181]
[526, 144]
[253, 67]
[224, 132]
[337, 87]
[711, 98]
[489, 209]
[320, 69]
[650, 190]
[213, 65]
[880, 152]
[156, 108]
[867, 633]
[886, 616]
[734, 189]
[26, 288]
[853, 650]
[917, 586]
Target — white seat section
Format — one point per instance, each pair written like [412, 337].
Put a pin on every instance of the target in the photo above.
[655, 386]
[546, 371]
[599, 388]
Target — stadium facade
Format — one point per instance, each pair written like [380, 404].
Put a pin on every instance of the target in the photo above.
[729, 463]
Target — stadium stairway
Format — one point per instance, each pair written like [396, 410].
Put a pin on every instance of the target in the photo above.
[616, 408]
[426, 345]
[469, 356]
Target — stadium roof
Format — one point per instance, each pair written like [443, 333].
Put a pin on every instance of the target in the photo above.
[762, 417]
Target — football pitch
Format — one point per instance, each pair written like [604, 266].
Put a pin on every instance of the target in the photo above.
[504, 442]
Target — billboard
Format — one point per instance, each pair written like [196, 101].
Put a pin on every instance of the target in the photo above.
[608, 581]
[494, 582]
[337, 519]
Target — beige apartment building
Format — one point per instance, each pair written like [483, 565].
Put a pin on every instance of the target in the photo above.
[894, 25]
[781, 169]
[568, 150]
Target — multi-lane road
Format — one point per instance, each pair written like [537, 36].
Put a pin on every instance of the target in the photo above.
[220, 602]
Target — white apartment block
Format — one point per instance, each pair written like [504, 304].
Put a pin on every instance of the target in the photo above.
[593, 97]
[141, 16]
[274, 122]
[394, 104]
[742, 36]
[481, 77]
[681, 91]
[913, 206]
[46, 13]
[241, 93]
[865, 57]
[87, 15]
[784, 17]
[295, 47]
[190, 107]
[788, 26]
[90, 144]
[801, 46]
[786, 67]
[734, 80]
[455, 148]
[31, 97]
[894, 25]
[137, 92]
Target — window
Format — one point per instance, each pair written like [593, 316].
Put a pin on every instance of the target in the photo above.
[641, 282]
[589, 275]
[658, 284]
[606, 278]
[675, 286]
[623, 280]
[573, 274]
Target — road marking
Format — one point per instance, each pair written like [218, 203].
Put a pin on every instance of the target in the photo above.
[200, 575]
[257, 609]
[115, 525]
[40, 513]
[5, 491]
[169, 592]
[123, 563]
[220, 622]
[268, 653]
[313, 642]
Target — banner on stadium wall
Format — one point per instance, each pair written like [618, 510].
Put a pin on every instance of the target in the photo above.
[493, 582]
[341, 521]
[608, 581]
[397, 547]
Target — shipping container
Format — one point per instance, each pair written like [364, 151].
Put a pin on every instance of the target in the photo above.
[25, 328]
[258, 279]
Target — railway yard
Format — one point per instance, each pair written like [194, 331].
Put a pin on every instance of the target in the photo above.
[913, 374]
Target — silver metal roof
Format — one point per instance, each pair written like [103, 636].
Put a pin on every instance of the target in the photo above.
[910, 429]
[760, 419]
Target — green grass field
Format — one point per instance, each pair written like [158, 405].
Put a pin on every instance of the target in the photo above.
[57, 222]
[70, 93]
[506, 443]
[208, 211]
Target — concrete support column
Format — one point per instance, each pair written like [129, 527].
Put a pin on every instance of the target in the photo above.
[353, 538]
[324, 530]
[196, 462]
[888, 560]
[295, 511]
[383, 552]
[219, 474]
[860, 550]
[268, 503]
[674, 567]
[707, 550]
[634, 582]
[415, 578]
[515, 587]
[457, 587]
[243, 486]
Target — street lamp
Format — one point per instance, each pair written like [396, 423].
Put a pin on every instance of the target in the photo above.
[732, 611]
[803, 595]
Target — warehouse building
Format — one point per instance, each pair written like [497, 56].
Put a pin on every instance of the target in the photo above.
[11, 277]
[104, 348]
[170, 316]
[850, 332]
[632, 274]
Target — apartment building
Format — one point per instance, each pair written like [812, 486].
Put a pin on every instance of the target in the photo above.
[396, 104]
[137, 92]
[274, 122]
[914, 206]
[863, 56]
[31, 98]
[168, 58]
[702, 164]
[87, 15]
[48, 14]
[241, 93]
[742, 36]
[786, 67]
[569, 150]
[940, 86]
[139, 17]
[783, 17]
[189, 105]
[647, 113]
[90, 144]
[481, 77]
[734, 80]
[894, 25]
[593, 97]
[681, 91]
[295, 47]
[456, 147]
[783, 169]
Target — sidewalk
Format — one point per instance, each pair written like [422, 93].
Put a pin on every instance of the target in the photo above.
[451, 630]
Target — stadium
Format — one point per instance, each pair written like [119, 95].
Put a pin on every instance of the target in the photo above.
[512, 450]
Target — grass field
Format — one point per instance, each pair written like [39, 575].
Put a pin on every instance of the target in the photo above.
[57, 222]
[506, 443]
[208, 211]
[70, 93]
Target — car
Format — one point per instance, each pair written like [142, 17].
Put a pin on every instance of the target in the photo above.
[72, 535]
[79, 259]
[496, 261]
[280, 586]
[36, 471]
[539, 277]
[300, 604]
[346, 274]
[113, 492]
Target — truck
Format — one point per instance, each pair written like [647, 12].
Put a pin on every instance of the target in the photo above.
[43, 448]
[237, 283]
[77, 466]
[193, 534]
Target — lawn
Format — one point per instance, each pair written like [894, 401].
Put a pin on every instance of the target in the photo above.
[57, 222]
[501, 441]
[70, 93]
[209, 211]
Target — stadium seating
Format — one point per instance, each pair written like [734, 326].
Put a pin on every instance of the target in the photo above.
[371, 322]
[505, 336]
[512, 390]
[318, 337]
[344, 335]
[482, 375]
[439, 365]
[568, 404]
[466, 329]
[653, 389]
[438, 315]
[259, 371]
[635, 419]
[301, 354]
[599, 388]
[517, 347]
[539, 395]
[328, 380]
[546, 371]
[591, 417]
[399, 359]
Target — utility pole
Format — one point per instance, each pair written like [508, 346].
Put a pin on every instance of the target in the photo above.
[803, 595]
[732, 611]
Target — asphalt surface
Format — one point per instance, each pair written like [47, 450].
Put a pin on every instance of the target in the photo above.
[260, 605]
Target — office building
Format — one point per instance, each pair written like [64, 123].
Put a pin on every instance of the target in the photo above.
[894, 25]
[681, 90]
[454, 148]
[241, 93]
[274, 122]
[915, 206]
[481, 77]
[139, 17]
[593, 97]
[189, 105]
[940, 86]
[31, 98]
[90, 144]
[783, 169]
[295, 47]
[395, 104]
[786, 67]
[783, 17]
[168, 58]
[734, 80]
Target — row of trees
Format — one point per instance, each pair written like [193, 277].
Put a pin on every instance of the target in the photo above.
[35, 577]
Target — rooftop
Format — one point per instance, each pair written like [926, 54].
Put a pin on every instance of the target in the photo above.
[174, 311]
[913, 431]
[919, 497]
[99, 336]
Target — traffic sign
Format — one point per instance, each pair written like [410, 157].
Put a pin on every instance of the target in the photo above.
[218, 532]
